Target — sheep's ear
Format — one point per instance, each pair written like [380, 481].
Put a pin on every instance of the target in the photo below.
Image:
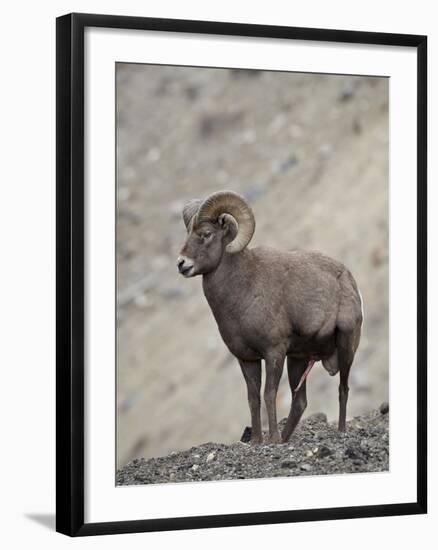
[228, 223]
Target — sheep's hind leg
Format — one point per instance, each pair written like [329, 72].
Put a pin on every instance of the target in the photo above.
[346, 346]
[252, 372]
[274, 370]
[296, 368]
[343, 396]
[349, 327]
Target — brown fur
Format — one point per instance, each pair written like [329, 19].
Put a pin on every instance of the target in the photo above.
[270, 305]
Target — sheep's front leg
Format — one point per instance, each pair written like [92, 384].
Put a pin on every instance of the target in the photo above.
[252, 372]
[274, 370]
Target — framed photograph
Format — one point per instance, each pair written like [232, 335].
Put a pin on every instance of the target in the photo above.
[241, 274]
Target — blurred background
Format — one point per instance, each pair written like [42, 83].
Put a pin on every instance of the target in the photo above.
[310, 153]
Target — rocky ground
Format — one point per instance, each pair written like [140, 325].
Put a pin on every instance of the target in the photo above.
[316, 448]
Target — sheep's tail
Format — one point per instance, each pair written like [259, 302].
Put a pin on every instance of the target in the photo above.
[348, 323]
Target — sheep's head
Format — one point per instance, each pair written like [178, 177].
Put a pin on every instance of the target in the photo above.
[222, 223]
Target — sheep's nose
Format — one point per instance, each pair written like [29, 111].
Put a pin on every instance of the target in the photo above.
[180, 264]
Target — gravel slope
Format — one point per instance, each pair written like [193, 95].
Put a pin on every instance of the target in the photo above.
[316, 448]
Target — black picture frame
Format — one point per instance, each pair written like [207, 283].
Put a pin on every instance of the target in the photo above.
[70, 273]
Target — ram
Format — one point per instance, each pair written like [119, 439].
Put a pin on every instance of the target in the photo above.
[270, 305]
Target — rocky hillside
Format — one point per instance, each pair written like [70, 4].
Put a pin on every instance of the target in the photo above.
[316, 448]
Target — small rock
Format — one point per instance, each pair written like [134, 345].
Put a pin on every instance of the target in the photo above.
[378, 256]
[384, 407]
[323, 451]
[357, 126]
[254, 192]
[295, 131]
[353, 453]
[142, 301]
[123, 193]
[248, 136]
[246, 436]
[277, 123]
[195, 467]
[287, 164]
[210, 457]
[288, 463]
[317, 417]
[325, 151]
[130, 400]
[356, 424]
[306, 467]
[192, 91]
[347, 91]
[309, 454]
[153, 155]
[211, 123]
[172, 293]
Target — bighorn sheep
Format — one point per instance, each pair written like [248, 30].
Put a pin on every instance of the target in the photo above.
[271, 305]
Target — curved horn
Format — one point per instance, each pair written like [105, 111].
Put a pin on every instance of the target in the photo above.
[190, 210]
[228, 202]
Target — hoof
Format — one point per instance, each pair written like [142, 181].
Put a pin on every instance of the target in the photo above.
[274, 438]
